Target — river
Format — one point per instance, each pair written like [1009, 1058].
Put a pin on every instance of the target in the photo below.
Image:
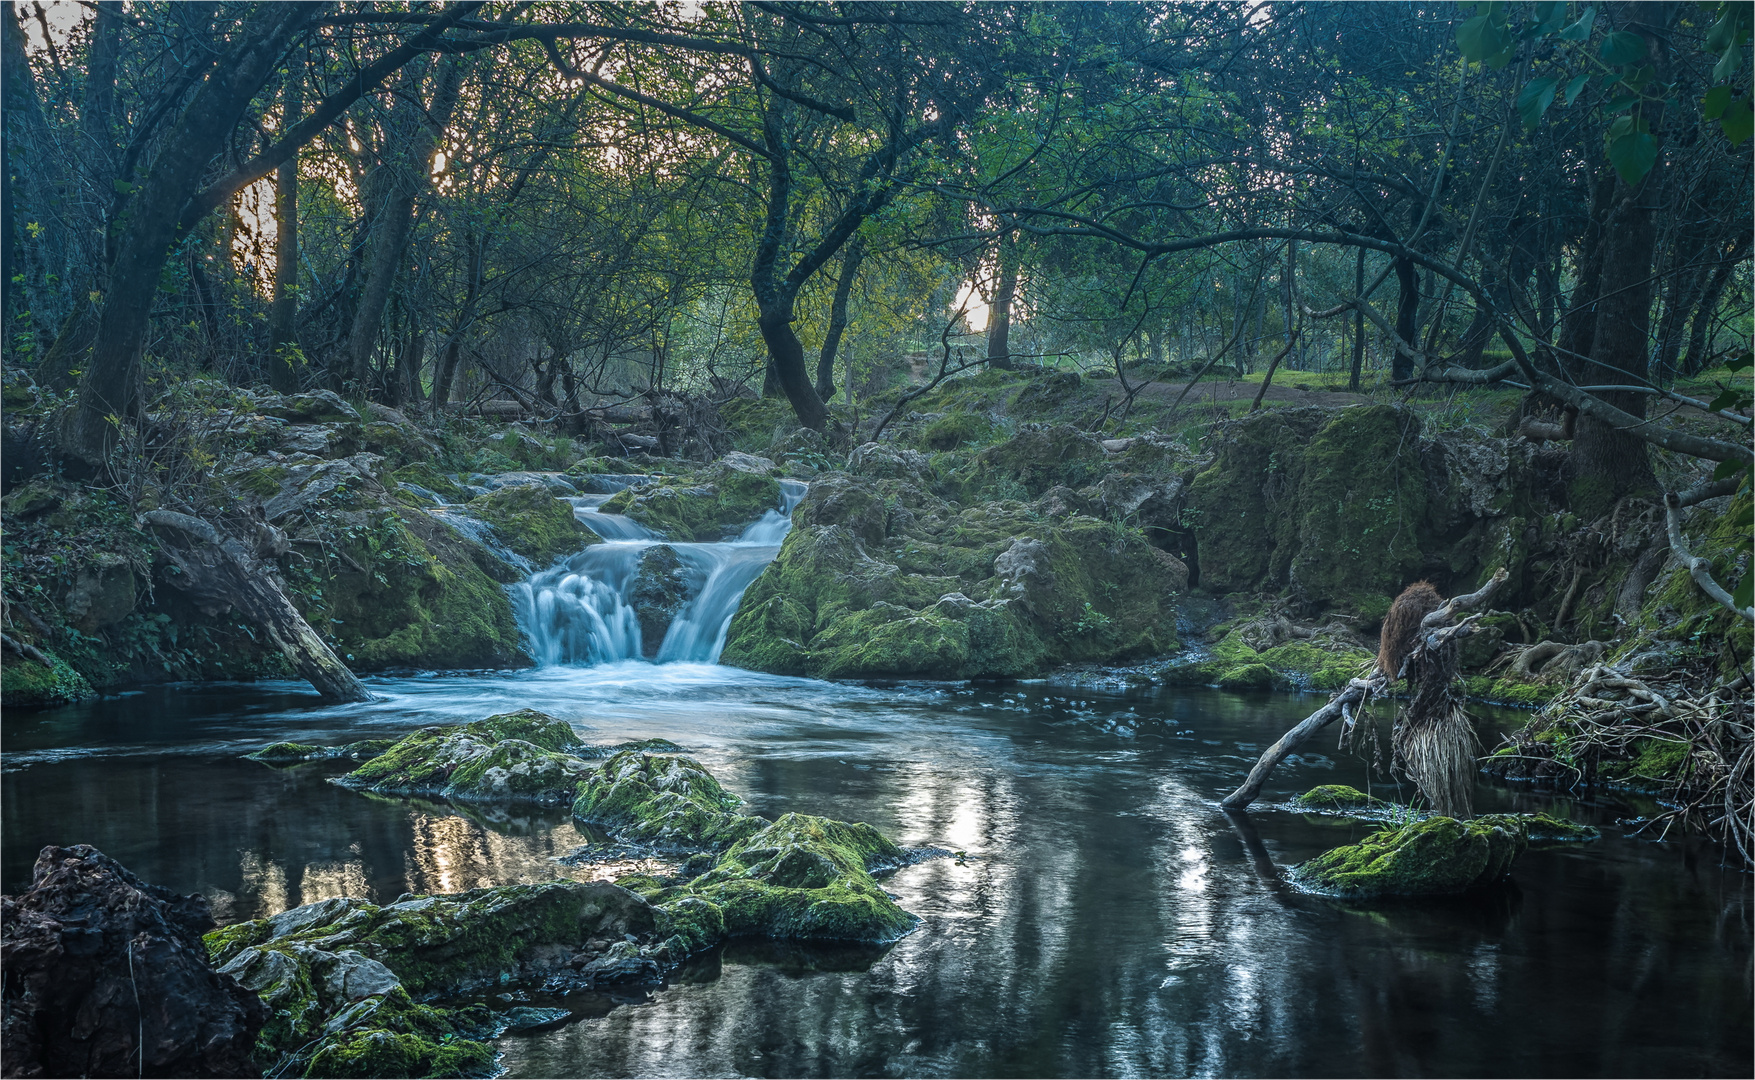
[1106, 918]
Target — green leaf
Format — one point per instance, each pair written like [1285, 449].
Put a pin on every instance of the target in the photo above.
[1712, 106]
[1576, 86]
[1738, 123]
[1741, 362]
[1620, 104]
[1548, 15]
[1727, 399]
[1478, 39]
[1727, 64]
[1633, 155]
[1580, 30]
[1744, 594]
[1727, 469]
[1622, 47]
[1533, 100]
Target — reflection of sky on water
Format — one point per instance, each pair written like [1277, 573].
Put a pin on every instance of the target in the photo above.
[1108, 919]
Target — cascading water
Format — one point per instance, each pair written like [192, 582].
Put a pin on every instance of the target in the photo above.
[581, 611]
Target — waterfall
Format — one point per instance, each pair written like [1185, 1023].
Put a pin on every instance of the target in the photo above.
[581, 610]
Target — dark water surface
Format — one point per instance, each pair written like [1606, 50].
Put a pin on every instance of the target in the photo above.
[1108, 920]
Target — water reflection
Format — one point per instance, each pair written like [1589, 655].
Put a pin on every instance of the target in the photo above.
[1108, 918]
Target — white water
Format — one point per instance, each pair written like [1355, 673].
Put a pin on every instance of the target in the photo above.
[579, 611]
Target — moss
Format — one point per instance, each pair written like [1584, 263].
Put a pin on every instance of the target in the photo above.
[1337, 797]
[380, 1052]
[1316, 667]
[293, 753]
[26, 683]
[806, 877]
[520, 757]
[1656, 762]
[716, 503]
[1509, 691]
[1435, 856]
[264, 482]
[956, 429]
[532, 522]
[425, 475]
[1249, 677]
[1031, 462]
[666, 802]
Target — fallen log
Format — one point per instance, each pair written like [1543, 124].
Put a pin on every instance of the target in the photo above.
[219, 573]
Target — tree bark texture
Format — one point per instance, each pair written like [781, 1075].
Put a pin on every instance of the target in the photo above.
[1407, 318]
[282, 374]
[219, 573]
[850, 260]
[999, 319]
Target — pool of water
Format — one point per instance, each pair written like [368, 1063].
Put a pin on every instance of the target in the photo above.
[1107, 919]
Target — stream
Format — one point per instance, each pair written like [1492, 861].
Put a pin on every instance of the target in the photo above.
[1106, 919]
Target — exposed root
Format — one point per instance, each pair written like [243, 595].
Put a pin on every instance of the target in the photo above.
[1549, 661]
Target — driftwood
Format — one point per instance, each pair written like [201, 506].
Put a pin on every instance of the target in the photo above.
[219, 573]
[1438, 630]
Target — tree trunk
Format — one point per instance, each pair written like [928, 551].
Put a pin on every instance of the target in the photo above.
[1608, 463]
[1358, 324]
[283, 373]
[850, 261]
[999, 320]
[786, 360]
[110, 389]
[1407, 313]
[218, 572]
[445, 373]
[1707, 308]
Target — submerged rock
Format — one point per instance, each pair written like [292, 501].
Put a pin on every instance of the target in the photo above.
[346, 978]
[1338, 798]
[292, 753]
[526, 756]
[106, 975]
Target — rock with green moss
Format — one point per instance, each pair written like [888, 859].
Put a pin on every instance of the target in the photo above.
[1267, 654]
[1032, 462]
[662, 802]
[1437, 856]
[804, 878]
[663, 586]
[348, 980]
[531, 521]
[879, 577]
[521, 757]
[27, 683]
[293, 753]
[1338, 798]
[714, 504]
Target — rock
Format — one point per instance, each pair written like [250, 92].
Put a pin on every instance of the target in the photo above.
[881, 461]
[663, 802]
[738, 461]
[292, 753]
[313, 407]
[716, 503]
[1327, 659]
[102, 594]
[661, 590]
[1436, 856]
[1033, 461]
[533, 522]
[1337, 798]
[94, 957]
[345, 977]
[25, 683]
[857, 586]
[521, 757]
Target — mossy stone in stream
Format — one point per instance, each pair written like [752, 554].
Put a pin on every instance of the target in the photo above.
[717, 502]
[1436, 856]
[24, 682]
[293, 753]
[1249, 677]
[526, 756]
[1337, 797]
[666, 802]
[531, 521]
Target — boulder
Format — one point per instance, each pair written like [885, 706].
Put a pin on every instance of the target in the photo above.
[1436, 856]
[716, 503]
[106, 975]
[521, 757]
[662, 802]
[533, 522]
[662, 588]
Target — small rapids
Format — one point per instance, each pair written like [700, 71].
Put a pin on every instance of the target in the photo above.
[581, 610]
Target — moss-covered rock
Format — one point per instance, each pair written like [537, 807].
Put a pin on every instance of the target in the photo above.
[882, 578]
[345, 978]
[531, 521]
[1327, 660]
[1432, 857]
[662, 587]
[1032, 462]
[662, 802]
[1337, 798]
[804, 877]
[526, 756]
[26, 683]
[716, 503]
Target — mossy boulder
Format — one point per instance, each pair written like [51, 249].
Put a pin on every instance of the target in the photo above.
[526, 756]
[714, 504]
[1031, 462]
[662, 802]
[1329, 504]
[662, 588]
[1337, 798]
[879, 577]
[346, 978]
[24, 682]
[1327, 660]
[423, 475]
[806, 878]
[531, 521]
[1437, 856]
